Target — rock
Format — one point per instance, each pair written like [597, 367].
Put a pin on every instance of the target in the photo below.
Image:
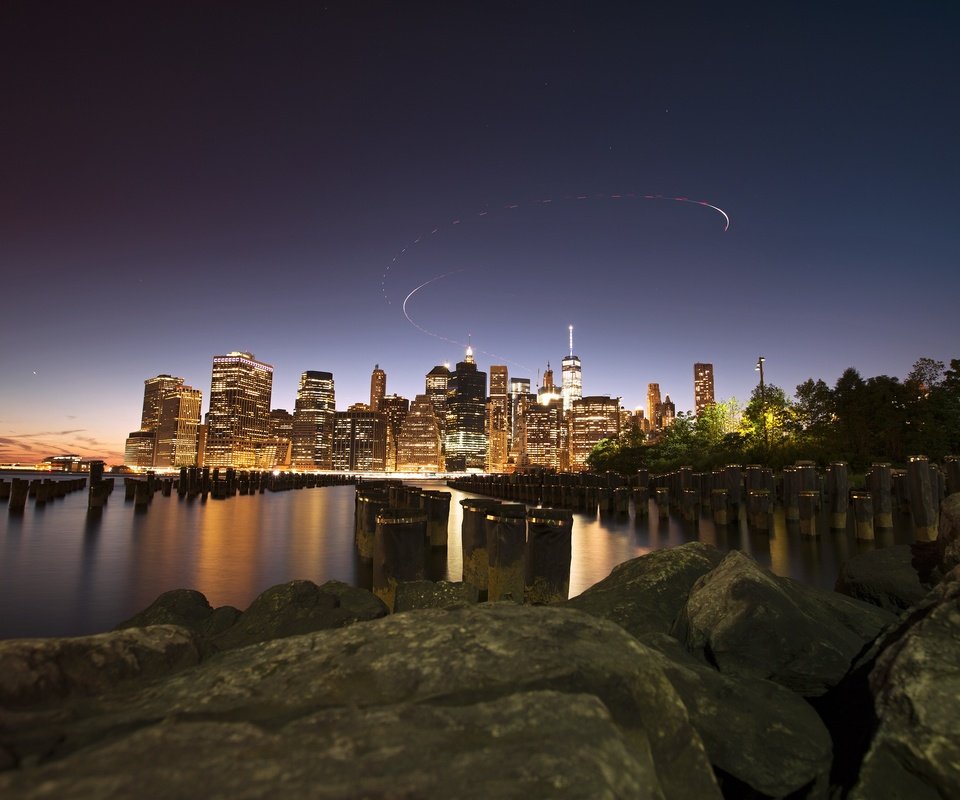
[747, 621]
[298, 607]
[948, 534]
[40, 672]
[427, 594]
[187, 608]
[496, 700]
[645, 595]
[915, 682]
[884, 577]
[755, 731]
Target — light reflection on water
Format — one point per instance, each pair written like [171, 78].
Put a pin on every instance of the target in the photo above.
[62, 573]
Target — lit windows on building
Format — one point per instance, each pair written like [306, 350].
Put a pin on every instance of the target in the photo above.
[702, 386]
[418, 444]
[378, 387]
[592, 419]
[360, 440]
[653, 406]
[543, 426]
[178, 427]
[313, 421]
[465, 437]
[239, 417]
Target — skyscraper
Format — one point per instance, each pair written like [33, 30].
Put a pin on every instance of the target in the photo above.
[360, 440]
[519, 391]
[572, 377]
[143, 448]
[498, 420]
[313, 419]
[653, 405]
[178, 427]
[543, 429]
[592, 419]
[436, 390]
[465, 436]
[239, 417]
[395, 408]
[668, 412]
[702, 386]
[281, 437]
[154, 390]
[378, 387]
[418, 445]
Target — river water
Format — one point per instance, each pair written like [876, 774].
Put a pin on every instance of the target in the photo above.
[63, 573]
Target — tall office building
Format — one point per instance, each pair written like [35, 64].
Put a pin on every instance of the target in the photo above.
[378, 387]
[653, 405]
[418, 445]
[360, 440]
[281, 438]
[543, 432]
[465, 437]
[239, 417]
[436, 389]
[395, 408]
[140, 449]
[548, 391]
[519, 389]
[572, 377]
[154, 390]
[313, 420]
[178, 427]
[702, 386]
[498, 420]
[592, 419]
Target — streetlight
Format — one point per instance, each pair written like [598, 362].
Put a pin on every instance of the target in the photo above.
[763, 402]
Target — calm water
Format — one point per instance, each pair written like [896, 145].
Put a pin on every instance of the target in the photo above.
[64, 574]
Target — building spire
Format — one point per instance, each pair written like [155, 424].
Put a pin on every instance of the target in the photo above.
[571, 340]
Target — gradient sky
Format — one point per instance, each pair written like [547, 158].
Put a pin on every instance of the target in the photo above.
[182, 179]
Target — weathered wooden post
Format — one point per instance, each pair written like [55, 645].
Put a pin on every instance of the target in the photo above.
[839, 495]
[368, 507]
[641, 502]
[506, 538]
[621, 501]
[879, 484]
[690, 505]
[863, 514]
[436, 505]
[719, 505]
[19, 489]
[951, 467]
[473, 539]
[733, 483]
[759, 507]
[791, 493]
[4, 490]
[398, 551]
[142, 495]
[663, 502]
[922, 504]
[547, 568]
[809, 503]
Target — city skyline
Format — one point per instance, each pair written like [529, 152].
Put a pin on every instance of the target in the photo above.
[332, 186]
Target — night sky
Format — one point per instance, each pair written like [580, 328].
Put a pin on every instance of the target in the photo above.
[183, 179]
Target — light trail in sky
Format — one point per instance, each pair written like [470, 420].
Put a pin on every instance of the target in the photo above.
[510, 207]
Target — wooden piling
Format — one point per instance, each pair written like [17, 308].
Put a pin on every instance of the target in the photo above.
[863, 514]
[506, 535]
[547, 562]
[809, 502]
[879, 482]
[398, 551]
[839, 483]
[922, 503]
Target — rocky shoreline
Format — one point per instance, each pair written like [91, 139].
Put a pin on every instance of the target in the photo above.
[687, 673]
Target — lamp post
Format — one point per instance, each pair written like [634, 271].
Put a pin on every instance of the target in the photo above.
[763, 402]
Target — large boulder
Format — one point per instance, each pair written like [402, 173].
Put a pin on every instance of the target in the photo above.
[915, 682]
[413, 595]
[948, 533]
[755, 731]
[885, 577]
[747, 621]
[187, 608]
[486, 701]
[298, 607]
[36, 673]
[645, 595]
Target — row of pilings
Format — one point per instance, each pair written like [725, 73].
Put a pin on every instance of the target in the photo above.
[814, 500]
[510, 552]
[41, 490]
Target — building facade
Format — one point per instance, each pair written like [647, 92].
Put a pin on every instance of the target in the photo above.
[313, 421]
[418, 444]
[395, 408]
[378, 387]
[238, 423]
[592, 418]
[653, 406]
[572, 377]
[498, 420]
[543, 431]
[702, 386]
[178, 427]
[465, 437]
[360, 440]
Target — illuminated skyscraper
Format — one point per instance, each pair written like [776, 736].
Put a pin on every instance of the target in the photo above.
[519, 390]
[572, 377]
[281, 437]
[378, 387]
[653, 405]
[154, 390]
[418, 446]
[178, 427]
[465, 435]
[360, 440]
[239, 417]
[592, 419]
[543, 429]
[436, 390]
[140, 449]
[549, 391]
[702, 386]
[313, 418]
[498, 420]
[395, 408]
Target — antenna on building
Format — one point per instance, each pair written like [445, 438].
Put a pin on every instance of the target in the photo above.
[571, 340]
